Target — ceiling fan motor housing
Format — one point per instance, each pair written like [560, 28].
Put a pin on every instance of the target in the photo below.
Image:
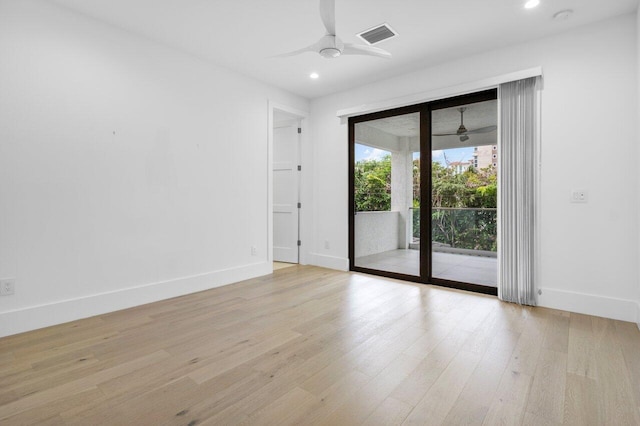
[330, 46]
[330, 52]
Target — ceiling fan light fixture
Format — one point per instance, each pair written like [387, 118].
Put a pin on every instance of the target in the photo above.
[464, 138]
[330, 52]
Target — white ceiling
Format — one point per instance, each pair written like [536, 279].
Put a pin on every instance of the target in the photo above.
[242, 34]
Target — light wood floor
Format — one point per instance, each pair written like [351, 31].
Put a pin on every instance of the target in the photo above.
[311, 346]
[282, 265]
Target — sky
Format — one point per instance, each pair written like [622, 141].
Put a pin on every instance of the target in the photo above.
[364, 152]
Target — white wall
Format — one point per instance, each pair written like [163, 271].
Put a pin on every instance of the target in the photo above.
[589, 141]
[638, 129]
[129, 172]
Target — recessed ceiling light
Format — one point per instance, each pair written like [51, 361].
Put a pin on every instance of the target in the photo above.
[314, 75]
[563, 15]
[530, 4]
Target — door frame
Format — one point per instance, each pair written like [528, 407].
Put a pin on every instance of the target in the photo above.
[302, 116]
[425, 110]
[420, 108]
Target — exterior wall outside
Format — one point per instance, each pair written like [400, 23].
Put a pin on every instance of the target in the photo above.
[376, 232]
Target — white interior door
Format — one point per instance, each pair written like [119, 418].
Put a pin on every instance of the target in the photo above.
[285, 193]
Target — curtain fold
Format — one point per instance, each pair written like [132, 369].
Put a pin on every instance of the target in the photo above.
[517, 153]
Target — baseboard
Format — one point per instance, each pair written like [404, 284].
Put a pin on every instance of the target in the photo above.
[35, 317]
[331, 262]
[589, 304]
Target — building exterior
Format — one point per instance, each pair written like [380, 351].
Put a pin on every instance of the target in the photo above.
[460, 166]
[485, 156]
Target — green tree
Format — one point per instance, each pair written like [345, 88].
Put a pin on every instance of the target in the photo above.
[373, 184]
[473, 189]
[452, 193]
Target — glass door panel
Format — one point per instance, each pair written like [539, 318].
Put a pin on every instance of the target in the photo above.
[386, 186]
[464, 193]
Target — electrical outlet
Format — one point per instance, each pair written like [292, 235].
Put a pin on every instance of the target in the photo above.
[327, 246]
[254, 251]
[579, 196]
[7, 287]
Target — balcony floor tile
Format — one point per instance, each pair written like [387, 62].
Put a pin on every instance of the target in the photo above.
[455, 267]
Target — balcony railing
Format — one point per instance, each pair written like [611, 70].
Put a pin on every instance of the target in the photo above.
[460, 229]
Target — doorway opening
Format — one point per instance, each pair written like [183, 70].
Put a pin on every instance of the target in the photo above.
[433, 164]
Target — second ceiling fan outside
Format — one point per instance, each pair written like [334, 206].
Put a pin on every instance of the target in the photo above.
[462, 130]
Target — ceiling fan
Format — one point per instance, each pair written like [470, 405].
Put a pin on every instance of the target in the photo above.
[330, 45]
[463, 132]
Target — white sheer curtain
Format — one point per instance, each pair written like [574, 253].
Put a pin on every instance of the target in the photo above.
[517, 153]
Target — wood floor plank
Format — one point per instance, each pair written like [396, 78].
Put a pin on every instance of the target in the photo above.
[289, 409]
[390, 413]
[51, 411]
[614, 379]
[531, 419]
[350, 384]
[477, 396]
[546, 398]
[628, 337]
[582, 405]
[359, 407]
[438, 401]
[413, 388]
[526, 354]
[280, 382]
[49, 395]
[223, 392]
[504, 414]
[307, 345]
[235, 358]
[557, 335]
[581, 356]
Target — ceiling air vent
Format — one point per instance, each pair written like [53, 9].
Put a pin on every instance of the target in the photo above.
[377, 34]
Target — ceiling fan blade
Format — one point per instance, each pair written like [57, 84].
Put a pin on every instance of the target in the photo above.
[328, 15]
[482, 130]
[469, 132]
[312, 48]
[361, 49]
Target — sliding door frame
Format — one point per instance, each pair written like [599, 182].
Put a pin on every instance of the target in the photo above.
[425, 110]
[420, 108]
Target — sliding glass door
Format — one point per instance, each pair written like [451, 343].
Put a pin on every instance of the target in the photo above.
[453, 196]
[386, 191]
[464, 192]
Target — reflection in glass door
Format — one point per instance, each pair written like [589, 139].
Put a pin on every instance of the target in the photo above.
[464, 193]
[386, 194]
